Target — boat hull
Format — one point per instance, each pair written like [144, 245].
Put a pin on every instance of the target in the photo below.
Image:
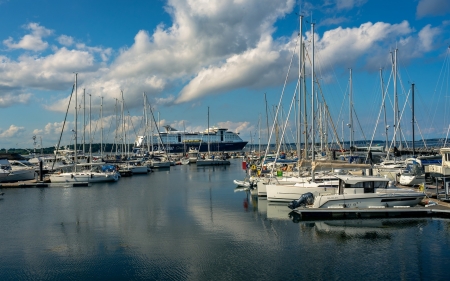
[20, 175]
[212, 162]
[367, 201]
[83, 177]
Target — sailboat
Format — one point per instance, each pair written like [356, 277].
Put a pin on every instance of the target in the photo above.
[211, 160]
[94, 172]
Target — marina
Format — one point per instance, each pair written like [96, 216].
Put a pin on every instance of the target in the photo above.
[189, 222]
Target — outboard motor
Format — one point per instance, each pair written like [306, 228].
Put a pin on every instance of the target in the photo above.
[305, 199]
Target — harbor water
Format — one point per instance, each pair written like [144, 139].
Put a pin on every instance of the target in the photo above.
[192, 223]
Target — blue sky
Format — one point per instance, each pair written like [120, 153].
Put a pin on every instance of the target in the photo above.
[222, 54]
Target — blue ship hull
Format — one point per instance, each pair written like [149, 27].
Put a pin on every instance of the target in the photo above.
[203, 147]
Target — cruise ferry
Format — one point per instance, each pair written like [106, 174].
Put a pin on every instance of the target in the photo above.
[174, 141]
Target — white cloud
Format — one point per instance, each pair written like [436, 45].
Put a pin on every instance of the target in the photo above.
[432, 8]
[65, 40]
[12, 131]
[31, 41]
[426, 36]
[7, 100]
[349, 4]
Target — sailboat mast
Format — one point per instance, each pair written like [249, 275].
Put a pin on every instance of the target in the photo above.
[208, 132]
[101, 128]
[299, 121]
[350, 106]
[312, 95]
[84, 120]
[76, 120]
[383, 95]
[412, 122]
[305, 113]
[90, 129]
[397, 125]
[146, 135]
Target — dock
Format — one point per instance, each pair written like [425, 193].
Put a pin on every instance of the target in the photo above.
[429, 208]
[39, 184]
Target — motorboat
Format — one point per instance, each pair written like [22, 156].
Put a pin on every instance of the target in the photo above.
[367, 192]
[414, 173]
[14, 170]
[325, 180]
[390, 169]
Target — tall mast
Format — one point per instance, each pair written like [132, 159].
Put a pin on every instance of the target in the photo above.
[305, 113]
[412, 101]
[397, 124]
[299, 120]
[101, 128]
[123, 125]
[383, 95]
[208, 132]
[90, 129]
[76, 120]
[312, 95]
[84, 120]
[350, 106]
[146, 136]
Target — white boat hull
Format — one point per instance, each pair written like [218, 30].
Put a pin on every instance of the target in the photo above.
[411, 180]
[287, 193]
[18, 175]
[212, 162]
[84, 177]
[368, 200]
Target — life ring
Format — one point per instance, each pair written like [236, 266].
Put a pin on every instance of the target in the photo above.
[253, 167]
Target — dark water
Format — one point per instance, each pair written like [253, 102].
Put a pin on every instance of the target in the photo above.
[190, 224]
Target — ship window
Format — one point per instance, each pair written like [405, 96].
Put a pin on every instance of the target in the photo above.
[179, 138]
[368, 187]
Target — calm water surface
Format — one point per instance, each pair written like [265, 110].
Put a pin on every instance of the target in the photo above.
[190, 223]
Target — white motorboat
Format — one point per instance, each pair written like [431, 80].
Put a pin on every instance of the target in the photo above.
[323, 182]
[414, 173]
[135, 166]
[184, 161]
[390, 169]
[13, 171]
[159, 162]
[367, 192]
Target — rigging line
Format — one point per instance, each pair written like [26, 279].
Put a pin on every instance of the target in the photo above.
[357, 119]
[284, 127]
[441, 74]
[383, 99]
[62, 130]
[326, 106]
[281, 98]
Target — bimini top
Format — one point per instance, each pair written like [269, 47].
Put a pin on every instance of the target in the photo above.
[350, 179]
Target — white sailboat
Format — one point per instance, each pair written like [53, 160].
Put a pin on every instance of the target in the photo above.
[87, 175]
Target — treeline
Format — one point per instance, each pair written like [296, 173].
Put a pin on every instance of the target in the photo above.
[107, 148]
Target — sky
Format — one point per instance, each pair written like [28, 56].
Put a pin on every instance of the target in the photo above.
[239, 58]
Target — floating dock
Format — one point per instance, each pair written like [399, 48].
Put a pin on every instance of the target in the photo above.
[432, 208]
[39, 184]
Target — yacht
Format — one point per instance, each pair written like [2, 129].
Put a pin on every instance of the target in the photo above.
[414, 173]
[367, 192]
[14, 170]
